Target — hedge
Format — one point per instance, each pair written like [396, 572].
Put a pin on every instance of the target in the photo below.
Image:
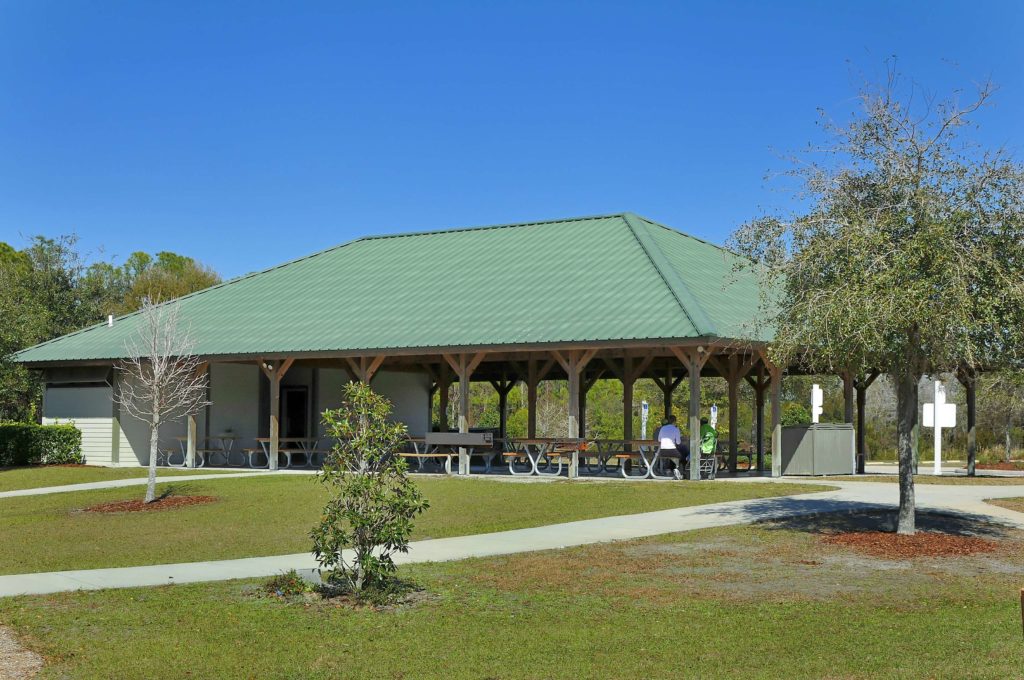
[31, 444]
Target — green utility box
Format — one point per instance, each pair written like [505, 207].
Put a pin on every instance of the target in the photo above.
[820, 449]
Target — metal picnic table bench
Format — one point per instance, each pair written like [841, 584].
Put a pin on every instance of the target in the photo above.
[643, 451]
[287, 447]
[552, 450]
[446, 445]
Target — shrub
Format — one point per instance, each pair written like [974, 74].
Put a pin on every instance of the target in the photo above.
[31, 444]
[372, 501]
[287, 584]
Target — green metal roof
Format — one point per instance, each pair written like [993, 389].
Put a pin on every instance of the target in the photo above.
[604, 278]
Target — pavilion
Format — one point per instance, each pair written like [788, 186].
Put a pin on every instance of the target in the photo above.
[612, 296]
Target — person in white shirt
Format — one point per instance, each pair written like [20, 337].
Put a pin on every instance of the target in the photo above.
[671, 440]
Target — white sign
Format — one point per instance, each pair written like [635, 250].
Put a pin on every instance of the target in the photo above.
[817, 402]
[947, 418]
[714, 416]
[644, 410]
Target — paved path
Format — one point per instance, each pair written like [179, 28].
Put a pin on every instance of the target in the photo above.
[967, 500]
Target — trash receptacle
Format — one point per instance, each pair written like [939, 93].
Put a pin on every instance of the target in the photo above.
[819, 449]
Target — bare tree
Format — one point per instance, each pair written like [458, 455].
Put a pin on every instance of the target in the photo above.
[161, 380]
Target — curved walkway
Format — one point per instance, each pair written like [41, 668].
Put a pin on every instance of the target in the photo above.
[850, 496]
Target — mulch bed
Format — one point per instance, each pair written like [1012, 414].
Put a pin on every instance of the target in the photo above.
[168, 503]
[922, 544]
[1003, 465]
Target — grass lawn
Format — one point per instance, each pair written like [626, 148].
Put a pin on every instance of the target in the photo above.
[1011, 503]
[58, 475]
[744, 602]
[926, 479]
[273, 515]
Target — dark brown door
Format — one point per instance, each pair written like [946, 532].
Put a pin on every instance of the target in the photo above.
[295, 412]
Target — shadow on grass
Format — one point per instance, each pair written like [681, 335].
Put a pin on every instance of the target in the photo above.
[829, 515]
[177, 489]
[952, 523]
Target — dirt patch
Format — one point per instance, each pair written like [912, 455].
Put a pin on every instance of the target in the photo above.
[1002, 465]
[15, 660]
[168, 503]
[922, 544]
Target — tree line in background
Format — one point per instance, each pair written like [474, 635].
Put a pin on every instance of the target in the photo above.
[1000, 434]
[47, 289]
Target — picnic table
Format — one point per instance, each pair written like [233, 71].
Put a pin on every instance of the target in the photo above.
[552, 450]
[444, 446]
[422, 453]
[287, 447]
[643, 451]
[221, 444]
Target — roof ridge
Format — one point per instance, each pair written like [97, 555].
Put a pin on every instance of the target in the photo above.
[484, 227]
[684, 234]
[680, 291]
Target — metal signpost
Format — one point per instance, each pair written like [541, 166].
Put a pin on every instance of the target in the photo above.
[714, 416]
[644, 410]
[946, 418]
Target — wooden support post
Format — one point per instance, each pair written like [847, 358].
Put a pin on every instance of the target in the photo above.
[444, 384]
[969, 379]
[502, 414]
[694, 361]
[861, 384]
[667, 385]
[275, 370]
[759, 383]
[535, 372]
[464, 365]
[582, 401]
[776, 394]
[503, 387]
[191, 428]
[432, 375]
[190, 449]
[364, 368]
[573, 362]
[627, 399]
[693, 371]
[586, 382]
[734, 406]
[628, 372]
[733, 370]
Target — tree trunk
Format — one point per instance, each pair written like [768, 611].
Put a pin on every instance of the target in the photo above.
[972, 429]
[1009, 427]
[154, 441]
[906, 436]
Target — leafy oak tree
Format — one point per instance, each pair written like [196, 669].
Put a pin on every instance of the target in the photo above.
[906, 255]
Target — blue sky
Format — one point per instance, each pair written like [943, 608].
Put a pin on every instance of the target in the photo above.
[246, 134]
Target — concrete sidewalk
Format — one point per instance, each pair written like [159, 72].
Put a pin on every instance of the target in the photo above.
[442, 549]
[850, 496]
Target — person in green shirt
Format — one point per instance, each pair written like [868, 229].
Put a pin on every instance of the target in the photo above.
[708, 438]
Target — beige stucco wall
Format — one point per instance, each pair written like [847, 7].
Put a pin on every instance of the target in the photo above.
[235, 398]
[112, 437]
[408, 392]
[133, 447]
